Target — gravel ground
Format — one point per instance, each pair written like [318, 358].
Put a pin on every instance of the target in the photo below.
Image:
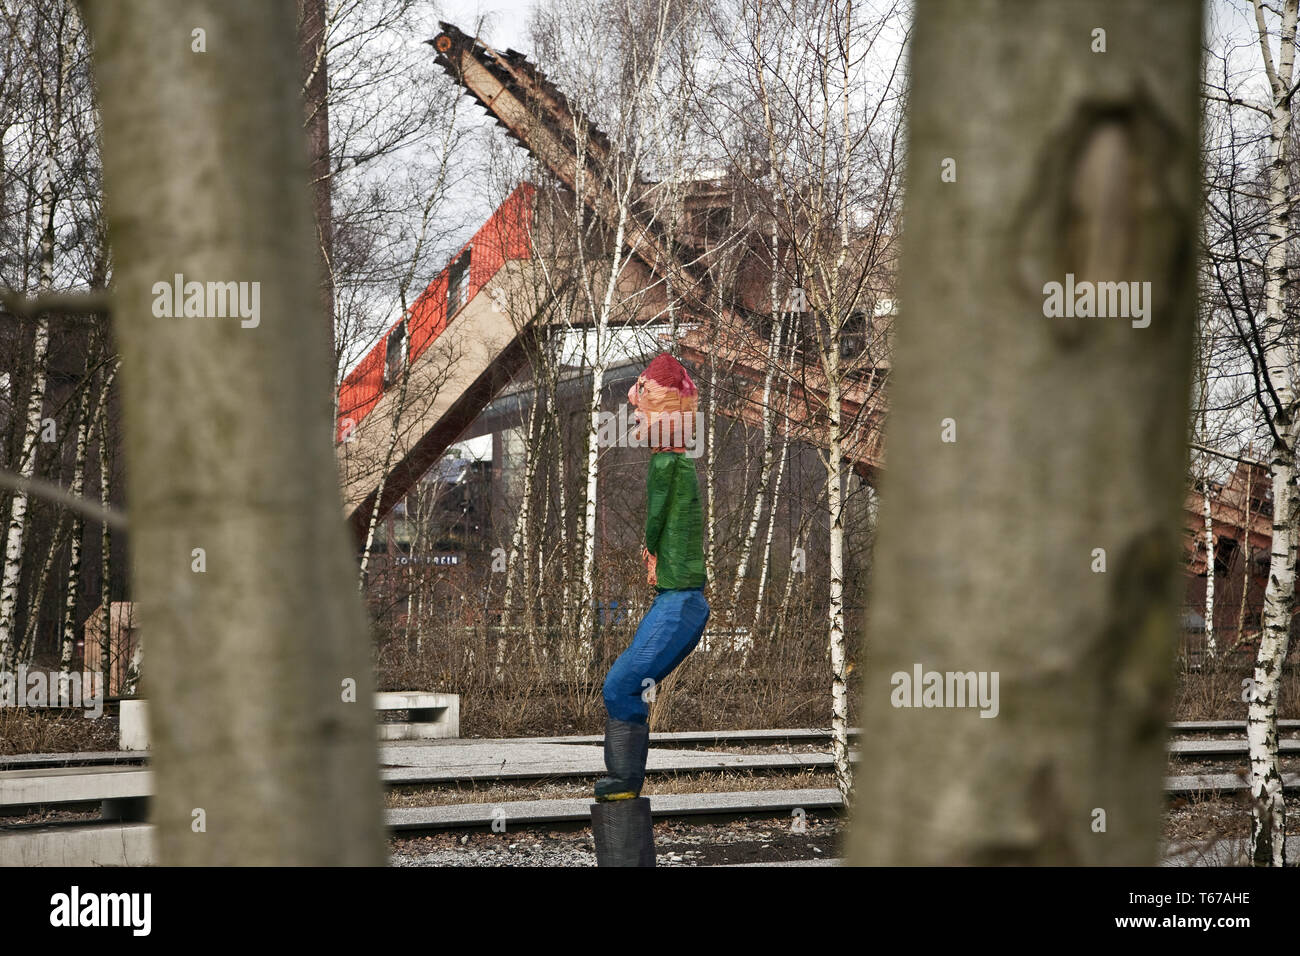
[1189, 824]
[677, 843]
[431, 795]
[1232, 765]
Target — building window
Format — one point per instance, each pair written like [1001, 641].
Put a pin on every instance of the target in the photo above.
[458, 284]
[395, 357]
[853, 336]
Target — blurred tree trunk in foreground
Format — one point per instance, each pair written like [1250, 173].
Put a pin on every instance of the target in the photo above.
[1075, 152]
[252, 640]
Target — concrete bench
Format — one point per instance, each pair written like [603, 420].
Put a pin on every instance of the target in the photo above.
[432, 717]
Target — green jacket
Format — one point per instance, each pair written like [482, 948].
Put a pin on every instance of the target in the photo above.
[674, 524]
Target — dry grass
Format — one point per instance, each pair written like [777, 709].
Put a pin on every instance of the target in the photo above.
[783, 681]
[53, 731]
[1213, 692]
[543, 686]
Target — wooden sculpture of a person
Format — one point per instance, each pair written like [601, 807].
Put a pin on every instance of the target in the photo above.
[666, 401]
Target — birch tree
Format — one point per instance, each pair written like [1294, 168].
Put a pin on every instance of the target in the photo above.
[65, 23]
[821, 87]
[104, 650]
[395, 134]
[1279, 356]
[779, 316]
[87, 424]
[1249, 242]
[1041, 546]
[609, 58]
[400, 409]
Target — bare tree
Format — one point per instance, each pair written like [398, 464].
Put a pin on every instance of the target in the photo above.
[66, 25]
[610, 57]
[1250, 242]
[827, 125]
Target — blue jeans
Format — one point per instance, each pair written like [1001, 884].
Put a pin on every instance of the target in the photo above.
[668, 632]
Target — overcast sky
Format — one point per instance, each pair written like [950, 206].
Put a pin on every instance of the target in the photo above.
[507, 20]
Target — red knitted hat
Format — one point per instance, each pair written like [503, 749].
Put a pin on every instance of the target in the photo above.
[670, 373]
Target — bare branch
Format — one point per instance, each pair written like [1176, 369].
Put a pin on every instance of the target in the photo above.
[61, 496]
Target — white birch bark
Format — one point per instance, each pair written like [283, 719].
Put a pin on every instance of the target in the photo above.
[394, 430]
[519, 541]
[772, 512]
[15, 533]
[84, 430]
[626, 179]
[765, 465]
[1211, 649]
[52, 108]
[710, 471]
[1268, 825]
[591, 486]
[28, 646]
[105, 553]
[835, 609]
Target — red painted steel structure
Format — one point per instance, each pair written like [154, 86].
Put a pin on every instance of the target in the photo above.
[505, 236]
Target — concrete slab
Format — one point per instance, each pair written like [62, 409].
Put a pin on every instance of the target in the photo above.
[121, 844]
[133, 725]
[433, 717]
[519, 761]
[131, 844]
[1204, 782]
[414, 700]
[418, 730]
[1224, 748]
[1219, 726]
[73, 785]
[472, 762]
[89, 758]
[458, 761]
[15, 761]
[709, 736]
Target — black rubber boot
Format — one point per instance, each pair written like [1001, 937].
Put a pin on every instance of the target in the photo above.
[623, 833]
[626, 747]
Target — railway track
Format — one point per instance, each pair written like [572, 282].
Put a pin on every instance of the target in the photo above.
[1215, 749]
[754, 787]
[1183, 744]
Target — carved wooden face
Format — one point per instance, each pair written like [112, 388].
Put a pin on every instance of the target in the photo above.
[664, 416]
[635, 392]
